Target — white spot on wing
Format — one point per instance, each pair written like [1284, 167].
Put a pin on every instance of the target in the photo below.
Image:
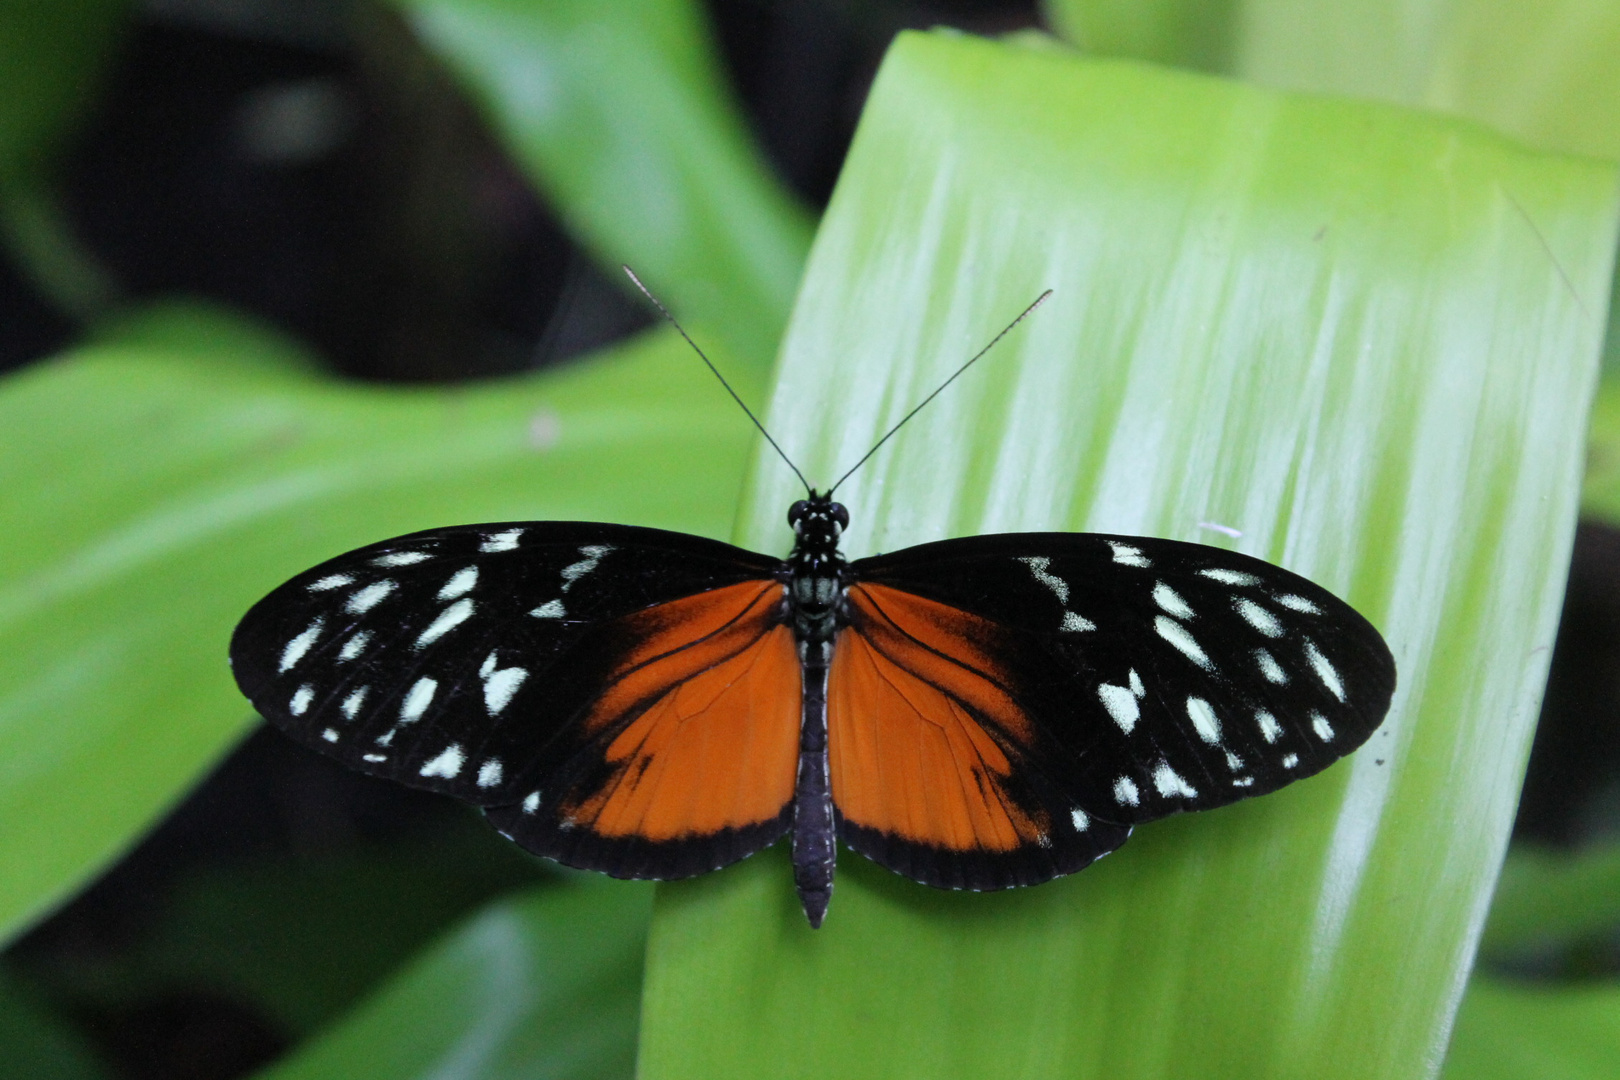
[1258, 617]
[551, 609]
[1290, 761]
[501, 686]
[298, 646]
[1204, 720]
[450, 618]
[1076, 623]
[447, 764]
[1323, 729]
[330, 735]
[1125, 792]
[1177, 635]
[330, 581]
[419, 697]
[1171, 601]
[363, 600]
[460, 583]
[487, 667]
[501, 541]
[375, 757]
[354, 646]
[301, 699]
[1081, 820]
[574, 571]
[1242, 781]
[1324, 670]
[401, 558]
[1136, 684]
[531, 802]
[1270, 730]
[1121, 705]
[1037, 566]
[1233, 762]
[1297, 603]
[1229, 577]
[1126, 555]
[1169, 782]
[351, 704]
[489, 773]
[1270, 668]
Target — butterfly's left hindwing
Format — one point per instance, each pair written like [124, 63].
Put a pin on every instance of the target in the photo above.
[538, 669]
[1114, 680]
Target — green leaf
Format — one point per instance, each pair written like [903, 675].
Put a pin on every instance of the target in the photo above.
[154, 490]
[1546, 71]
[37, 1044]
[299, 938]
[618, 110]
[540, 986]
[1509, 1031]
[1548, 897]
[1186, 33]
[1600, 491]
[1358, 335]
[50, 55]
[51, 59]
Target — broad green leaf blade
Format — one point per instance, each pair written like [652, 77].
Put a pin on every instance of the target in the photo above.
[618, 109]
[1364, 338]
[1508, 1031]
[541, 986]
[1545, 71]
[153, 492]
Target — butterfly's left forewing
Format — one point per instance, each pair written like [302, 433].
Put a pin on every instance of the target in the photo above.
[1099, 682]
[540, 670]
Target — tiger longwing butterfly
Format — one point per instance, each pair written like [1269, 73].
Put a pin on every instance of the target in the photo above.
[976, 713]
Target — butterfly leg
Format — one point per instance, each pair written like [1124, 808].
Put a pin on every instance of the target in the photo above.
[814, 833]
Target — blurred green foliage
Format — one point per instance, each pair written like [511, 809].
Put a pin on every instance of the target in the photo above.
[179, 462]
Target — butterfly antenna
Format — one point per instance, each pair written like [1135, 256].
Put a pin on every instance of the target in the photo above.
[1039, 300]
[702, 356]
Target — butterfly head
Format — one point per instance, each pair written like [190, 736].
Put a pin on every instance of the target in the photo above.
[818, 518]
[817, 523]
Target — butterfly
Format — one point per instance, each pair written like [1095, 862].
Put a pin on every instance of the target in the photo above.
[973, 713]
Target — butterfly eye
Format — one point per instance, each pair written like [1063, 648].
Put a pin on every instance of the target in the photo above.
[840, 515]
[796, 512]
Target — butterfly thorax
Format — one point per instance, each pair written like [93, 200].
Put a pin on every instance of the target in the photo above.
[815, 570]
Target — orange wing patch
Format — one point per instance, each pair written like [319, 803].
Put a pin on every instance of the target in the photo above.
[715, 690]
[908, 752]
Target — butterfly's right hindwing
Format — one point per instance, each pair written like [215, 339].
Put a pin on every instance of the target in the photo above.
[499, 663]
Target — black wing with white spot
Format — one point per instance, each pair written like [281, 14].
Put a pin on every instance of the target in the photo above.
[1157, 676]
[464, 660]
